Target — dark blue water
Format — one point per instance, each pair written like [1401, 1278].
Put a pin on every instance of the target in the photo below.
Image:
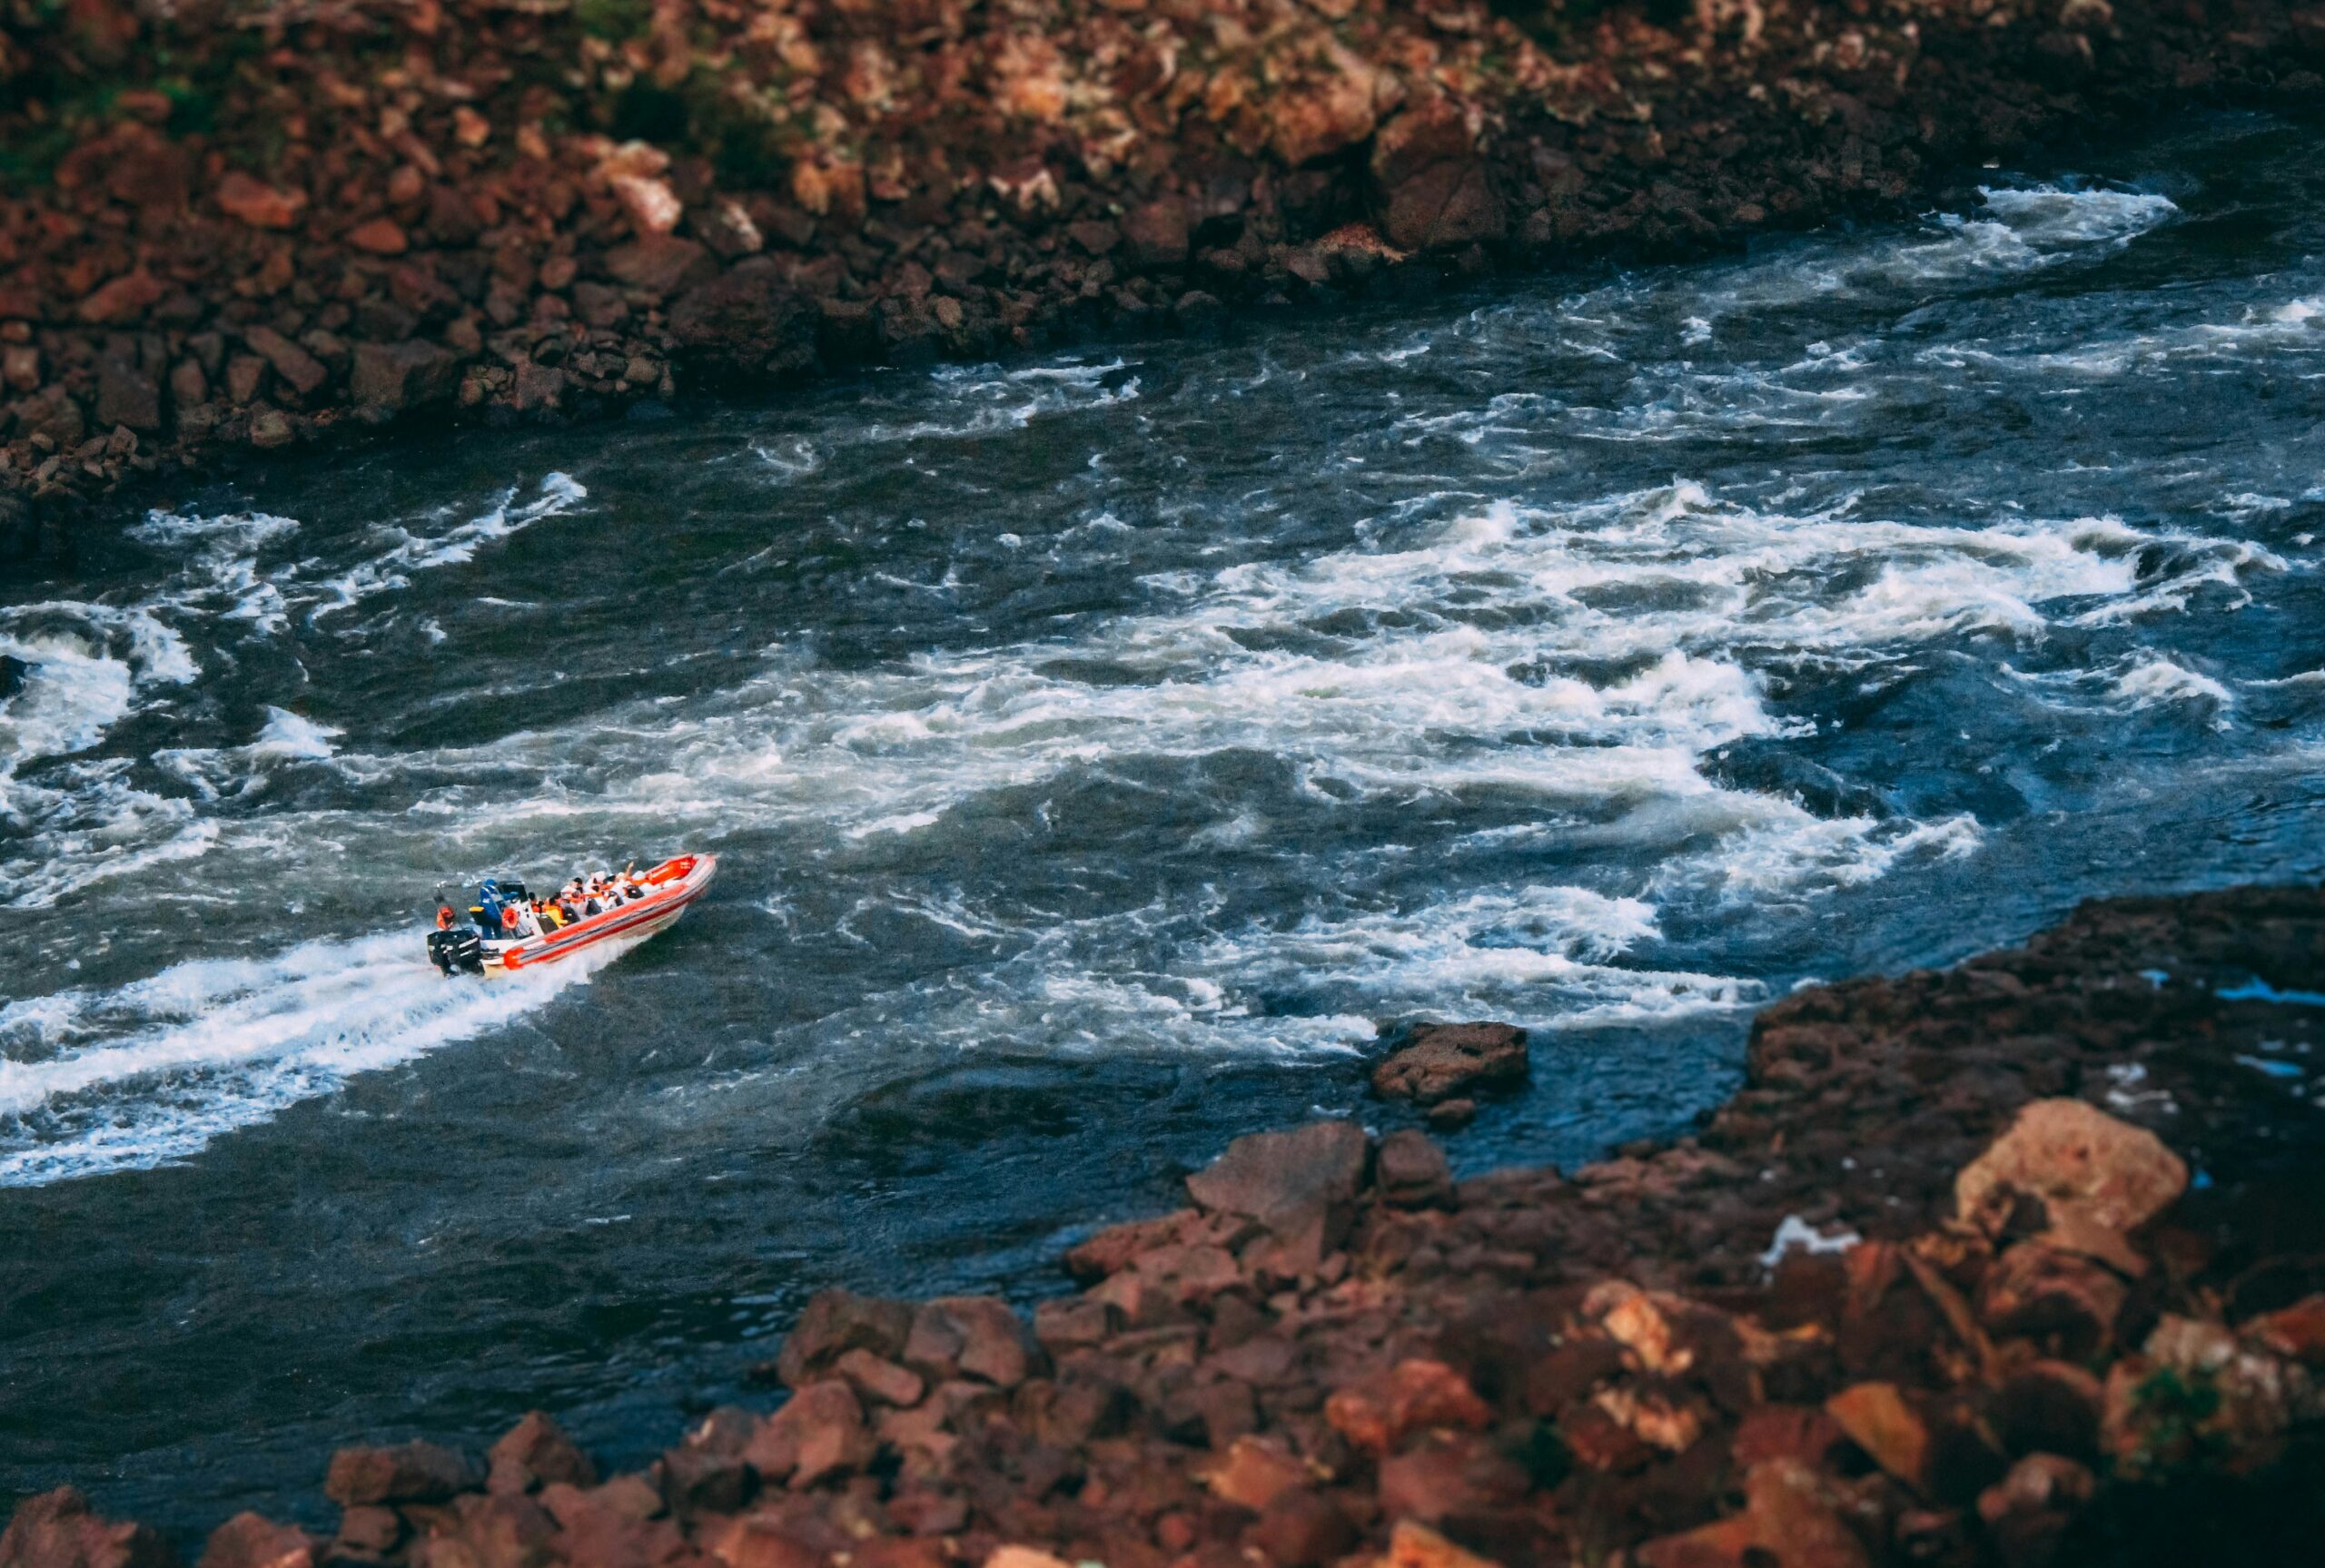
[1100, 749]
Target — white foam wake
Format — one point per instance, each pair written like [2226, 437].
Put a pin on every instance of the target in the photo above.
[92, 1081]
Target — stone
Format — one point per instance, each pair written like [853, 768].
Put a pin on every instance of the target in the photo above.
[407, 1472]
[1877, 1419]
[1431, 189]
[697, 1480]
[539, 387]
[834, 1322]
[1155, 235]
[57, 1530]
[1302, 1185]
[1301, 1529]
[1411, 1171]
[820, 1433]
[2059, 1298]
[1453, 1115]
[1255, 1471]
[2028, 1513]
[380, 237]
[127, 396]
[368, 1530]
[2071, 1154]
[271, 428]
[535, 1452]
[1416, 1545]
[659, 264]
[878, 1380]
[395, 377]
[1439, 1061]
[1331, 106]
[257, 203]
[250, 1539]
[1790, 1519]
[125, 298]
[2296, 1332]
[1414, 1395]
[245, 376]
[1799, 1433]
[1449, 1475]
[980, 1338]
[755, 1542]
[751, 315]
[292, 363]
[2050, 1407]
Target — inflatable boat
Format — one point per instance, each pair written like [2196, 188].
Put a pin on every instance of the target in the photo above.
[657, 898]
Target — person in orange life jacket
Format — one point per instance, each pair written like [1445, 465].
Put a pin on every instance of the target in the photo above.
[443, 917]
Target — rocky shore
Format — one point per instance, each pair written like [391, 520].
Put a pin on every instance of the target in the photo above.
[244, 224]
[2017, 1263]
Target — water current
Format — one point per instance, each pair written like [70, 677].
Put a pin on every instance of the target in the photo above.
[1101, 747]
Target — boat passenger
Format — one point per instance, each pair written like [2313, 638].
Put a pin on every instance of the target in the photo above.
[443, 917]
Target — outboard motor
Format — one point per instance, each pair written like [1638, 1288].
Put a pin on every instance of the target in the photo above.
[457, 950]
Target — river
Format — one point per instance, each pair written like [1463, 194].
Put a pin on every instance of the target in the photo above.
[1101, 748]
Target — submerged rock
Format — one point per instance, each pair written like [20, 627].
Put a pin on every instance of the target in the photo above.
[1441, 1060]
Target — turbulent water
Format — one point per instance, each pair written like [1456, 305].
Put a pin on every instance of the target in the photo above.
[1100, 748]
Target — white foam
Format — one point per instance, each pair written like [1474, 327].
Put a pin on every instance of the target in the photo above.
[148, 1074]
[407, 552]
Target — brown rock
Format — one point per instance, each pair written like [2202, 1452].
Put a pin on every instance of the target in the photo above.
[292, 363]
[1431, 189]
[539, 387]
[1413, 1545]
[2050, 1407]
[1441, 1059]
[1155, 235]
[380, 237]
[257, 203]
[1254, 1472]
[1301, 1184]
[245, 376]
[407, 1472]
[1449, 1475]
[125, 298]
[1410, 1172]
[820, 1433]
[697, 1480]
[369, 1531]
[127, 396]
[1414, 1395]
[1301, 1529]
[755, 1542]
[253, 1540]
[271, 428]
[2028, 1511]
[974, 1336]
[535, 1452]
[834, 1322]
[1878, 1420]
[2055, 1298]
[1453, 1115]
[57, 1530]
[2074, 1155]
[2295, 1332]
[1799, 1433]
[880, 1381]
[659, 264]
[399, 375]
[1789, 1519]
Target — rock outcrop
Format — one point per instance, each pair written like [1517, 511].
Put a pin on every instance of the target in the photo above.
[243, 223]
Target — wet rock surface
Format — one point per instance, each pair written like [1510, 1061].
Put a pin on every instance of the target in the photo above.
[234, 224]
[2045, 1286]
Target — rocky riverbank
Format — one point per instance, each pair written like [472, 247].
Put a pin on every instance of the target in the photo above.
[2017, 1263]
[240, 225]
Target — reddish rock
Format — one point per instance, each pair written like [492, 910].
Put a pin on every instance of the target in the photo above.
[834, 1322]
[292, 363]
[974, 1336]
[2295, 1332]
[1878, 1419]
[1154, 234]
[818, 1433]
[2027, 1513]
[1300, 1185]
[697, 1480]
[1790, 1518]
[1254, 1472]
[407, 1472]
[380, 237]
[125, 298]
[253, 1540]
[127, 396]
[394, 377]
[1411, 1171]
[257, 203]
[879, 1381]
[1300, 1528]
[1453, 1115]
[1439, 1061]
[1431, 189]
[1413, 1545]
[1799, 1433]
[1449, 1475]
[539, 388]
[659, 264]
[2054, 1297]
[367, 1531]
[1414, 1395]
[57, 1530]
[2073, 1155]
[533, 1454]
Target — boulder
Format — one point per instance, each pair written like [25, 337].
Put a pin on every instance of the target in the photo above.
[1790, 1517]
[535, 1452]
[1411, 1171]
[292, 363]
[878, 1380]
[1300, 1528]
[407, 1472]
[1155, 235]
[124, 298]
[979, 1337]
[834, 1322]
[659, 264]
[2074, 1156]
[1431, 189]
[820, 1433]
[2057, 1297]
[250, 1539]
[1415, 1394]
[751, 315]
[1255, 1471]
[127, 396]
[57, 1530]
[394, 377]
[1438, 1061]
[1877, 1419]
[1300, 1185]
